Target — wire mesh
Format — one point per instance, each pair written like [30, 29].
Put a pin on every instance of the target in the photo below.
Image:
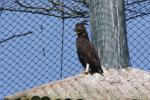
[138, 15]
[37, 44]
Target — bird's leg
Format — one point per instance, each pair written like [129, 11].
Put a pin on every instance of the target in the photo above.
[87, 68]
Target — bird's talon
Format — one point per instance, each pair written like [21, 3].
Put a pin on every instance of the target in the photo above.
[85, 72]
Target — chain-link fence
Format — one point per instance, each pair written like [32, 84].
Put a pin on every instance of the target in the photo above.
[138, 28]
[37, 41]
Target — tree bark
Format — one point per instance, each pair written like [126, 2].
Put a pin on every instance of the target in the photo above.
[107, 18]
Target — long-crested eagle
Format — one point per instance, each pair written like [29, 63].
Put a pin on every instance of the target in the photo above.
[86, 52]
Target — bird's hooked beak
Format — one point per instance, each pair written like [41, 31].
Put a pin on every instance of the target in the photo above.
[76, 33]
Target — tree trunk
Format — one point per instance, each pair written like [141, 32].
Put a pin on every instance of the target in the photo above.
[108, 26]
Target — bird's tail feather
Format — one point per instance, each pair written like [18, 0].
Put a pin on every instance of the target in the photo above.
[100, 71]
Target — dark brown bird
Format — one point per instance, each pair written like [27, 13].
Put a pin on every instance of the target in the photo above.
[86, 52]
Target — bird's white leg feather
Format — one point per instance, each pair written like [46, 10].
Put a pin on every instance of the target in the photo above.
[87, 68]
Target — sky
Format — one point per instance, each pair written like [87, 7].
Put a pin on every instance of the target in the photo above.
[35, 59]
[38, 58]
[138, 42]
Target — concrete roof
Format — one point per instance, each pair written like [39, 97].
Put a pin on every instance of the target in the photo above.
[120, 84]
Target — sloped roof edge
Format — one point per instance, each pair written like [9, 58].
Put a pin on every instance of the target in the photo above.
[130, 83]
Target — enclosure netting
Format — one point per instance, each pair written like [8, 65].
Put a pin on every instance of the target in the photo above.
[37, 41]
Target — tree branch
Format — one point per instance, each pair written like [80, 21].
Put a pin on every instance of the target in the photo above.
[14, 36]
[57, 8]
[135, 2]
[139, 15]
[28, 11]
